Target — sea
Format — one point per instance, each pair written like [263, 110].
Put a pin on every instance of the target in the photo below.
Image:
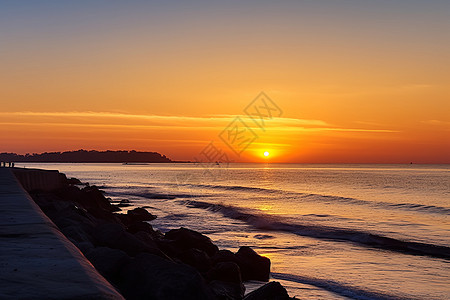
[347, 231]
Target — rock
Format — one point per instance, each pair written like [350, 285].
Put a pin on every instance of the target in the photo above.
[224, 256]
[149, 276]
[148, 240]
[74, 181]
[140, 226]
[185, 239]
[227, 290]
[253, 266]
[75, 234]
[114, 236]
[270, 291]
[124, 219]
[140, 214]
[109, 262]
[124, 203]
[225, 281]
[74, 222]
[84, 246]
[225, 271]
[196, 258]
[89, 199]
[93, 198]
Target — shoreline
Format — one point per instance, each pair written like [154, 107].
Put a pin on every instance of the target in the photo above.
[144, 263]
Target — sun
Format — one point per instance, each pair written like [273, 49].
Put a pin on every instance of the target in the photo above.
[266, 154]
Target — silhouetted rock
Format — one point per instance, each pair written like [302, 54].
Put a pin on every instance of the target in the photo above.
[185, 239]
[74, 181]
[253, 266]
[224, 290]
[109, 262]
[93, 198]
[140, 226]
[224, 256]
[140, 214]
[225, 271]
[150, 242]
[196, 258]
[124, 219]
[226, 281]
[123, 203]
[75, 234]
[149, 276]
[114, 236]
[270, 291]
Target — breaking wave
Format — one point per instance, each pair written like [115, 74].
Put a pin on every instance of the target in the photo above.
[331, 198]
[345, 290]
[272, 223]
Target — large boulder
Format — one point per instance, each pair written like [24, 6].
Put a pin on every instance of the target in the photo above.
[149, 276]
[140, 214]
[253, 266]
[74, 181]
[93, 199]
[225, 271]
[185, 239]
[114, 236]
[224, 290]
[140, 226]
[270, 291]
[76, 234]
[224, 256]
[149, 240]
[196, 258]
[225, 280]
[109, 262]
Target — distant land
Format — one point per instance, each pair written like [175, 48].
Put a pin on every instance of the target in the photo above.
[85, 156]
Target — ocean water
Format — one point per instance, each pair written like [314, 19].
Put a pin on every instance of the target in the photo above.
[331, 231]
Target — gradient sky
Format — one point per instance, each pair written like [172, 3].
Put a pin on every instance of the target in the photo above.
[357, 81]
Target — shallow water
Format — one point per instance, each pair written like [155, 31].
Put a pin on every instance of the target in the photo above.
[331, 231]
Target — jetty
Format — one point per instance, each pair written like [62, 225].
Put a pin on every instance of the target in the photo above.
[36, 260]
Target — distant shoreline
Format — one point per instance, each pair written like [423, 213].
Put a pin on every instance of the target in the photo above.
[91, 156]
[105, 162]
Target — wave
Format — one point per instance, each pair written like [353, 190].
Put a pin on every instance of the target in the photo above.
[228, 187]
[272, 223]
[154, 195]
[327, 198]
[403, 206]
[342, 289]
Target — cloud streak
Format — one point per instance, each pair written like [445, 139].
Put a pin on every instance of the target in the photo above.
[114, 120]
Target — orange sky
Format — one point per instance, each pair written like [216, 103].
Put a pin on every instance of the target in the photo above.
[356, 82]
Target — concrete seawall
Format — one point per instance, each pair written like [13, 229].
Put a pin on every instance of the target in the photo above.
[35, 179]
[36, 260]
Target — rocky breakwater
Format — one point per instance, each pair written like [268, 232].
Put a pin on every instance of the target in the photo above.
[143, 263]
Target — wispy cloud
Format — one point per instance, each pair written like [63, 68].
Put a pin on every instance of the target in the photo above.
[134, 121]
[436, 122]
[186, 121]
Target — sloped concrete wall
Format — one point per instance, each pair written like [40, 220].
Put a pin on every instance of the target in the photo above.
[36, 260]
